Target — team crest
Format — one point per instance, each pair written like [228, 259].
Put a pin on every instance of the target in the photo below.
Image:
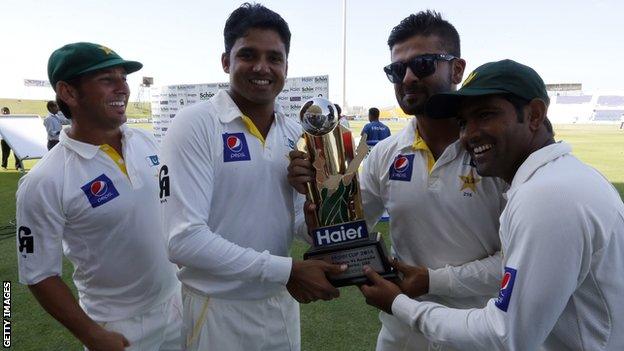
[235, 147]
[401, 168]
[153, 160]
[469, 181]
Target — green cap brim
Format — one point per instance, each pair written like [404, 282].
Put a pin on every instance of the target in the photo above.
[129, 66]
[446, 105]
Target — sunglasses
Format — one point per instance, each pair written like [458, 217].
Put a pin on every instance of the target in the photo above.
[422, 66]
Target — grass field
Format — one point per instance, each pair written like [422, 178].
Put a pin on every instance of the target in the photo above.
[24, 106]
[343, 324]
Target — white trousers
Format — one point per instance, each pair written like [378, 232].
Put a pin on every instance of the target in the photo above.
[397, 336]
[217, 324]
[157, 329]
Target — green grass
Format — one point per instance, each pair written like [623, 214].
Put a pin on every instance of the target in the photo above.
[24, 106]
[343, 324]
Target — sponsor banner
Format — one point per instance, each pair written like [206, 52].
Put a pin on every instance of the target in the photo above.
[36, 83]
[166, 101]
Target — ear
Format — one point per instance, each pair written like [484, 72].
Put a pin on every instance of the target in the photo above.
[537, 114]
[67, 93]
[225, 62]
[458, 67]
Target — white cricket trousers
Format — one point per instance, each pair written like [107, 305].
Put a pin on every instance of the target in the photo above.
[158, 329]
[213, 324]
[397, 336]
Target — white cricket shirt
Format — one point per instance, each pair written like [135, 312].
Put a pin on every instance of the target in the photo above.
[231, 213]
[443, 215]
[562, 233]
[77, 201]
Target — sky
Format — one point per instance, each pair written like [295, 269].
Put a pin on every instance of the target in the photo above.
[180, 42]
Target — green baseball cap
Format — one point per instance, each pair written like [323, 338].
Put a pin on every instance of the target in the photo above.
[501, 77]
[73, 60]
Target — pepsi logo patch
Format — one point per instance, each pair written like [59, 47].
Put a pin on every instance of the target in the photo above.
[401, 168]
[235, 147]
[100, 191]
[507, 284]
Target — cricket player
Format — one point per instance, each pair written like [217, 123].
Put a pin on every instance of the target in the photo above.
[229, 210]
[94, 198]
[443, 216]
[562, 229]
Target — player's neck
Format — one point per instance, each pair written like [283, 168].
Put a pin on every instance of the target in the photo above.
[262, 115]
[437, 133]
[95, 136]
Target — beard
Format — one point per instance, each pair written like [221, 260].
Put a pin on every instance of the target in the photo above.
[416, 106]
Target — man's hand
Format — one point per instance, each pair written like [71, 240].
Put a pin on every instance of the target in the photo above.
[308, 281]
[300, 171]
[415, 280]
[379, 292]
[101, 339]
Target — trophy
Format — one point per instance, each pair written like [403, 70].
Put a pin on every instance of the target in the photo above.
[342, 236]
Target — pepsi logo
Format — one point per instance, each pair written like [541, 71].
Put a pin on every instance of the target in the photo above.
[99, 188]
[506, 279]
[234, 143]
[401, 164]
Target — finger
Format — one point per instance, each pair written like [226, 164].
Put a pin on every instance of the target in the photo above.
[400, 266]
[372, 275]
[335, 269]
[295, 154]
[301, 167]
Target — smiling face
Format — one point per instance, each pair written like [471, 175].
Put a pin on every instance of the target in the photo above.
[493, 135]
[412, 93]
[98, 99]
[257, 64]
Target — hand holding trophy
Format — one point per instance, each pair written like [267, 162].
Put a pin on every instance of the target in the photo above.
[342, 236]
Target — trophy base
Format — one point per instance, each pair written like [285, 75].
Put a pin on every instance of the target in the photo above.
[356, 254]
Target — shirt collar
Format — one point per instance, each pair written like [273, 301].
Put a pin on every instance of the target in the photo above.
[86, 150]
[228, 111]
[407, 135]
[537, 159]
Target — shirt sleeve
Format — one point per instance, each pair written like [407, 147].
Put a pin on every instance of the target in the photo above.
[543, 266]
[476, 278]
[187, 154]
[40, 225]
[370, 185]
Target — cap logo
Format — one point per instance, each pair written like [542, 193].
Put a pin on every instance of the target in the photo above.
[106, 50]
[470, 78]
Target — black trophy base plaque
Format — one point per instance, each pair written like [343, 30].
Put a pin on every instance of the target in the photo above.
[370, 251]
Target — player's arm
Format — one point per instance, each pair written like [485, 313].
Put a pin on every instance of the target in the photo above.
[187, 154]
[40, 223]
[56, 298]
[476, 278]
[370, 186]
[542, 270]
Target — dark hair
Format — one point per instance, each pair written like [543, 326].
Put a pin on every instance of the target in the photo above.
[74, 82]
[338, 110]
[249, 16]
[50, 104]
[519, 103]
[6, 111]
[427, 23]
[373, 112]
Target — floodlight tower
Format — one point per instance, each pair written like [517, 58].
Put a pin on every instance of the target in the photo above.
[146, 83]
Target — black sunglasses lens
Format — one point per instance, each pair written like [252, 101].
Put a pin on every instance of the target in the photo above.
[395, 72]
[422, 66]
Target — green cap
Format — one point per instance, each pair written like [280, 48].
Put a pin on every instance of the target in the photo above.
[73, 60]
[501, 77]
